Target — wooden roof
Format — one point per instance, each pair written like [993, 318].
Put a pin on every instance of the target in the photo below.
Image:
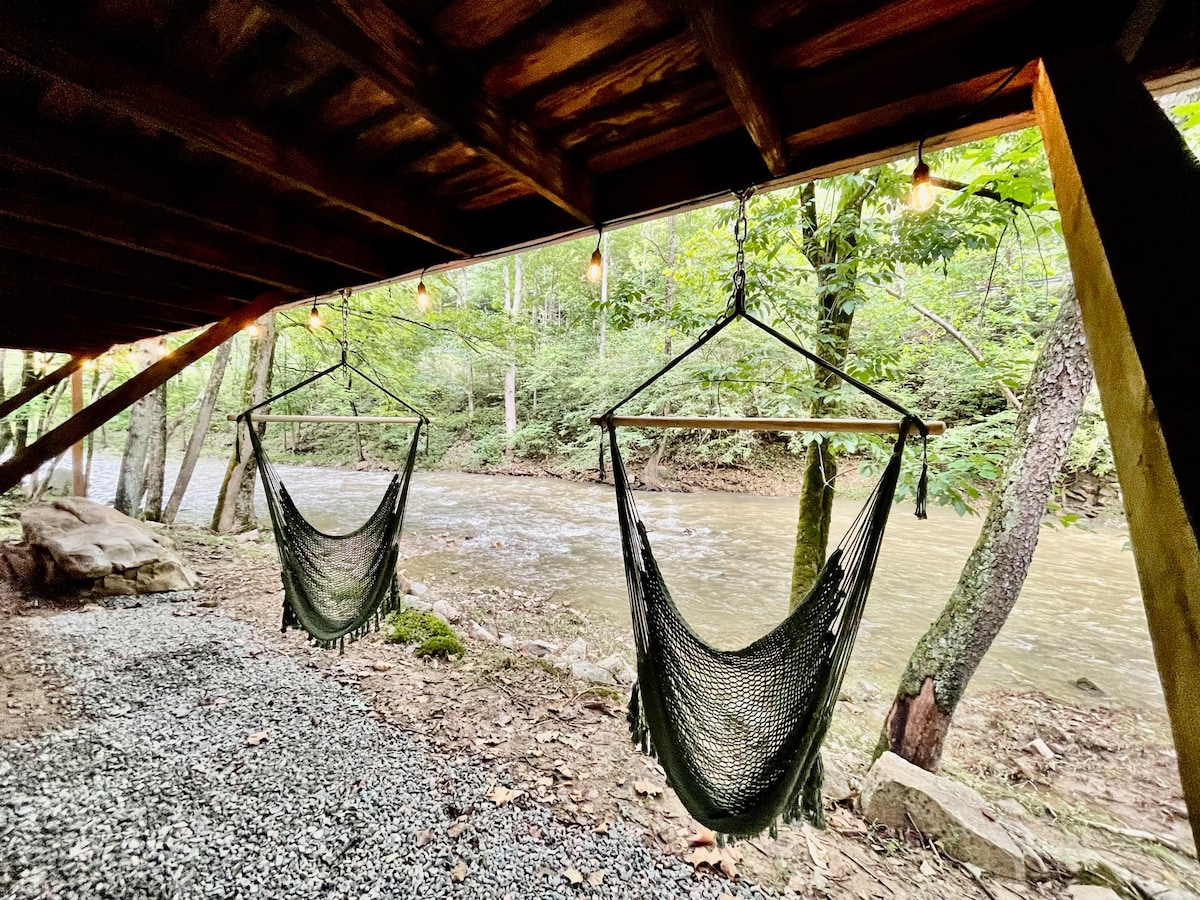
[165, 161]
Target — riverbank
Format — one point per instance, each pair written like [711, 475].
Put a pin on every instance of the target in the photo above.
[562, 745]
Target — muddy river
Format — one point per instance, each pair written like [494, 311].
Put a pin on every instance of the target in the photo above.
[727, 559]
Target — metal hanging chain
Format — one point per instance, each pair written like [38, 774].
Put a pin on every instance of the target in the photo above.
[741, 228]
[345, 342]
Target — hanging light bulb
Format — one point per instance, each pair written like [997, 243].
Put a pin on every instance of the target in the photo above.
[161, 350]
[253, 330]
[314, 318]
[596, 266]
[423, 301]
[89, 365]
[923, 195]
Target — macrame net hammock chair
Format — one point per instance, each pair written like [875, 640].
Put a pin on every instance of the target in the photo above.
[336, 585]
[738, 732]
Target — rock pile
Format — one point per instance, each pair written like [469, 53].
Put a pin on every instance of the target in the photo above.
[75, 544]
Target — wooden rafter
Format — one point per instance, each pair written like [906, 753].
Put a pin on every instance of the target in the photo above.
[370, 38]
[98, 161]
[54, 246]
[1137, 27]
[727, 42]
[59, 439]
[151, 99]
[71, 276]
[156, 232]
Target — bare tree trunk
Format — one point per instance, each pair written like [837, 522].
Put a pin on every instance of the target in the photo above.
[99, 383]
[512, 306]
[131, 477]
[948, 654]
[21, 416]
[603, 293]
[834, 258]
[6, 434]
[208, 402]
[235, 503]
[156, 456]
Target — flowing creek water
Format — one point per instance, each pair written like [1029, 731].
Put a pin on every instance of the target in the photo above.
[727, 558]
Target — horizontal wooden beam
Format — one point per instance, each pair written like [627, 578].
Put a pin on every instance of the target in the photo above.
[719, 423]
[59, 248]
[83, 212]
[331, 420]
[173, 304]
[133, 171]
[59, 439]
[730, 47]
[370, 38]
[39, 387]
[148, 96]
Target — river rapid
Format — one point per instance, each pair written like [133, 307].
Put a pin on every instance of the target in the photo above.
[727, 558]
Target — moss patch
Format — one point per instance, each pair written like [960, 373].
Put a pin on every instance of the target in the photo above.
[412, 626]
[441, 646]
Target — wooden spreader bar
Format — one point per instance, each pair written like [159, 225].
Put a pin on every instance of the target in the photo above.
[852, 426]
[332, 420]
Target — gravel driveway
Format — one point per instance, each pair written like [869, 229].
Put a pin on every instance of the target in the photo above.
[156, 791]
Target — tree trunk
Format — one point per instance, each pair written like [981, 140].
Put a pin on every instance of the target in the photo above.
[208, 402]
[6, 434]
[99, 383]
[948, 654]
[834, 259]
[156, 456]
[603, 294]
[131, 477]
[235, 503]
[512, 305]
[21, 416]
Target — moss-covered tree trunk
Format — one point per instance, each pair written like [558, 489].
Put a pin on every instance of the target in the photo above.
[835, 262]
[131, 477]
[235, 503]
[156, 455]
[948, 654]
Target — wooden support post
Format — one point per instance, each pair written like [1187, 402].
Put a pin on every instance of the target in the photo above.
[79, 426]
[78, 483]
[1128, 188]
[19, 399]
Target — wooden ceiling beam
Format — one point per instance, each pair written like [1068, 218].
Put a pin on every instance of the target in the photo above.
[372, 40]
[729, 45]
[132, 172]
[49, 297]
[72, 276]
[149, 98]
[55, 247]
[158, 233]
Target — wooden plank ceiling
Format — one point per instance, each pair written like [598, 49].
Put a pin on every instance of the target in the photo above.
[162, 162]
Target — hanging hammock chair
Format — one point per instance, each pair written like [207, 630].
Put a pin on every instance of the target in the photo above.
[738, 732]
[336, 585]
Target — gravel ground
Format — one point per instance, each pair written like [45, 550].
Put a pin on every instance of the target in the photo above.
[156, 792]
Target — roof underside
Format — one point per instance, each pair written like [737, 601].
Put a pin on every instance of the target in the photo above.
[165, 161]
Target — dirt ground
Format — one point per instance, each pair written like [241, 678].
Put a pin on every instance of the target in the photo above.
[1108, 787]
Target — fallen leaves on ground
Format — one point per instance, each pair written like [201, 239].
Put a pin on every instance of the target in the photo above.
[719, 859]
[502, 796]
[259, 737]
[459, 873]
[647, 788]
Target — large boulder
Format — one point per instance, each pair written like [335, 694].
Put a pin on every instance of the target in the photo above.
[898, 794]
[83, 543]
